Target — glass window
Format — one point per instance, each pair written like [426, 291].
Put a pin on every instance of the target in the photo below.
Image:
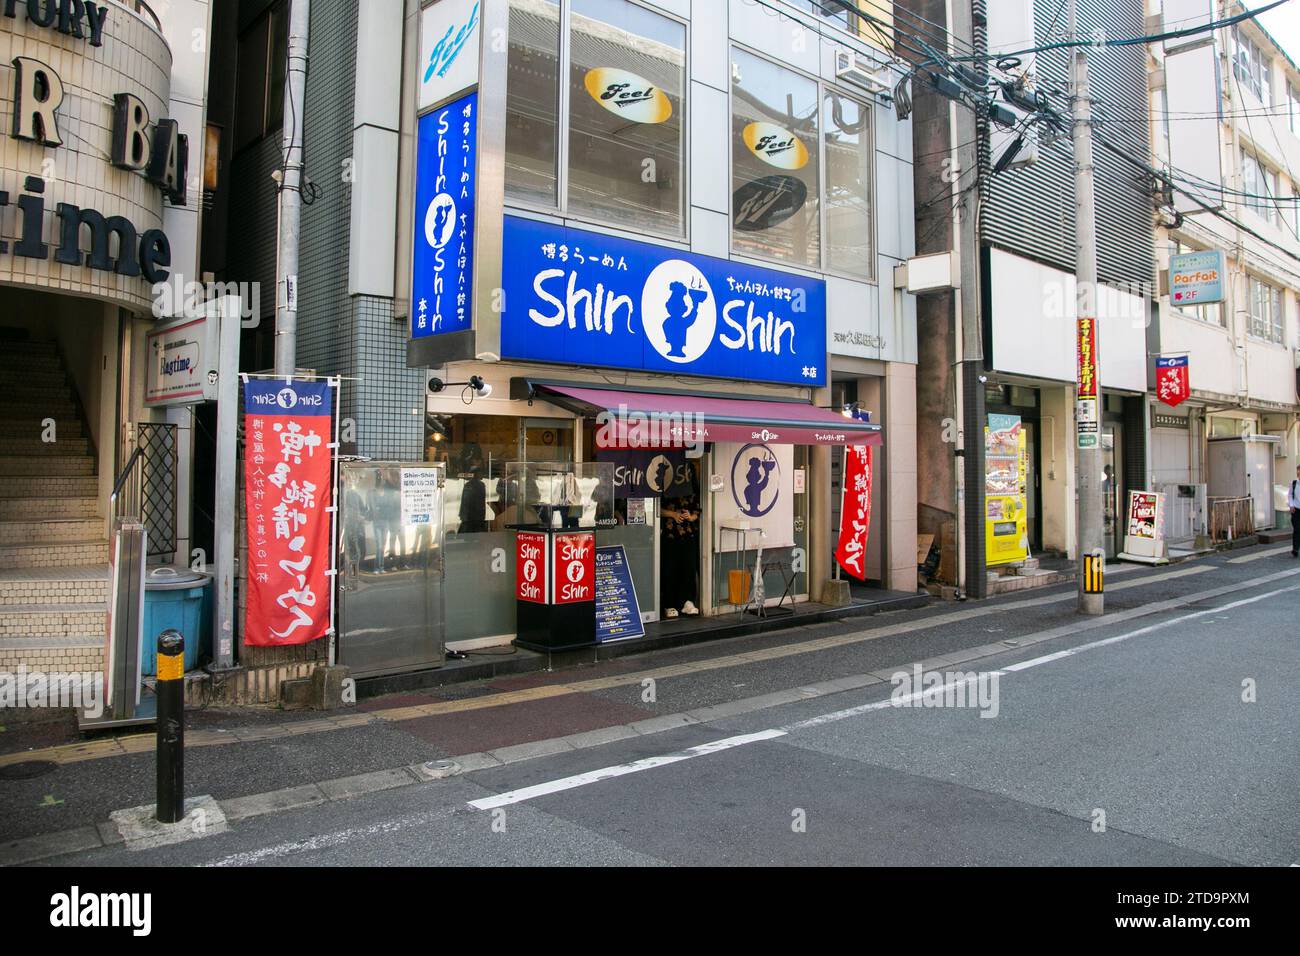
[774, 175]
[1160, 123]
[627, 72]
[829, 9]
[847, 125]
[532, 100]
[1251, 67]
[1259, 183]
[1293, 108]
[262, 59]
[1265, 311]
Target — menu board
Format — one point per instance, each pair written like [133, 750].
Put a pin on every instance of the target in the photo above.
[618, 616]
[1005, 490]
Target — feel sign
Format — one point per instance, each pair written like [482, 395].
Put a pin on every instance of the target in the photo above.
[585, 298]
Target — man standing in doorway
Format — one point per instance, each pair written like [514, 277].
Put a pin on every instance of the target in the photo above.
[1293, 501]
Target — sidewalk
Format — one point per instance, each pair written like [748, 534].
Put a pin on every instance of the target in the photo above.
[233, 755]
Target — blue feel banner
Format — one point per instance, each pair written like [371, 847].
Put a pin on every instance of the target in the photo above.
[442, 266]
[584, 298]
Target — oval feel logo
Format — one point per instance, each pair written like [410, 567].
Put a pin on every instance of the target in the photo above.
[775, 145]
[628, 95]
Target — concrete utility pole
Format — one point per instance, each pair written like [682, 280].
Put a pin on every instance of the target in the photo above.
[1087, 473]
[286, 275]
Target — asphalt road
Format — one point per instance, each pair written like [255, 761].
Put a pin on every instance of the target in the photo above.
[1156, 738]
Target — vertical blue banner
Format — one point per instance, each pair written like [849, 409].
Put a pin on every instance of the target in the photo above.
[442, 266]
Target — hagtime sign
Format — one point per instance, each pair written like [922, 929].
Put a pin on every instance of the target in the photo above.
[584, 298]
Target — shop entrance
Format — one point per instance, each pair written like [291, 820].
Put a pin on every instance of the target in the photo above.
[679, 546]
[1112, 485]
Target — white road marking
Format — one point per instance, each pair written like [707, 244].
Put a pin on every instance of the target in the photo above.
[728, 743]
[1270, 553]
[605, 773]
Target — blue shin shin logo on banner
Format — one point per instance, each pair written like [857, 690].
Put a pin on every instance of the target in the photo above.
[442, 267]
[584, 298]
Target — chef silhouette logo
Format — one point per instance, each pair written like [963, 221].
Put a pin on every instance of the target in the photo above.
[755, 480]
[286, 398]
[659, 473]
[678, 311]
[440, 220]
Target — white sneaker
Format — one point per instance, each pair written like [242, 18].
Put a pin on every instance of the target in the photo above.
[689, 609]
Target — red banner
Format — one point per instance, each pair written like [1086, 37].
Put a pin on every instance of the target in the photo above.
[1173, 381]
[855, 511]
[287, 489]
[530, 567]
[574, 567]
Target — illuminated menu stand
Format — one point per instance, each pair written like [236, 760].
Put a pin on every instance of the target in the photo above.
[553, 509]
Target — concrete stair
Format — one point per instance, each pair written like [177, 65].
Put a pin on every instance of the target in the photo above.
[53, 539]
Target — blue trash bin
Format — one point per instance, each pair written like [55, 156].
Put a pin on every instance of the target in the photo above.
[174, 597]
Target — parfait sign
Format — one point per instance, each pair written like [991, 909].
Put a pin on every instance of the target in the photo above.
[287, 491]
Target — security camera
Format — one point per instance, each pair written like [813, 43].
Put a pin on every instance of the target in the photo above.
[481, 388]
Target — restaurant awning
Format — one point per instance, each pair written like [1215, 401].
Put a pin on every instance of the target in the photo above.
[655, 419]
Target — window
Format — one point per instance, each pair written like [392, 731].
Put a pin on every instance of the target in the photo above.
[1293, 108]
[847, 126]
[626, 76]
[533, 101]
[1259, 183]
[1160, 123]
[1250, 65]
[828, 9]
[1212, 312]
[622, 109]
[260, 70]
[1265, 311]
[774, 162]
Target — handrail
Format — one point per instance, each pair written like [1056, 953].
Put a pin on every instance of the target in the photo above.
[127, 475]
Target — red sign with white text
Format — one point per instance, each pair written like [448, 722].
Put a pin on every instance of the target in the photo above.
[855, 511]
[575, 568]
[1173, 383]
[530, 567]
[288, 468]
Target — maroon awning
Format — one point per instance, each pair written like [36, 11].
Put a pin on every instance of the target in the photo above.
[648, 419]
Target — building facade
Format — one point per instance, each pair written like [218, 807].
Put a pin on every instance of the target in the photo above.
[1225, 131]
[100, 201]
[736, 170]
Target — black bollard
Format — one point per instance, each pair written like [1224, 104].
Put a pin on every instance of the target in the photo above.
[171, 726]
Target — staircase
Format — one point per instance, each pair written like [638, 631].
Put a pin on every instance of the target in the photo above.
[53, 539]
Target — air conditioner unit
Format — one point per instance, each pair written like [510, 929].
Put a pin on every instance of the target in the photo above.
[865, 75]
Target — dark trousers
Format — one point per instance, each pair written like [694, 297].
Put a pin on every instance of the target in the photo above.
[1295, 532]
[679, 560]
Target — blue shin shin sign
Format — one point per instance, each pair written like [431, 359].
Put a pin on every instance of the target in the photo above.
[584, 298]
[442, 266]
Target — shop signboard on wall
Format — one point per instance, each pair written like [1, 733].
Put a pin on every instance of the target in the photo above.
[1006, 532]
[449, 50]
[442, 264]
[758, 490]
[584, 298]
[182, 362]
[288, 469]
[1173, 380]
[1196, 278]
[618, 614]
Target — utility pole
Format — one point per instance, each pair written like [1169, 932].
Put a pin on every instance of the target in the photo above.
[290, 213]
[1087, 472]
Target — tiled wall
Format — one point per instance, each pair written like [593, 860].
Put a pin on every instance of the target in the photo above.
[135, 59]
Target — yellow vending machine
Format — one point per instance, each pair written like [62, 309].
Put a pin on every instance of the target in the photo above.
[1006, 532]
